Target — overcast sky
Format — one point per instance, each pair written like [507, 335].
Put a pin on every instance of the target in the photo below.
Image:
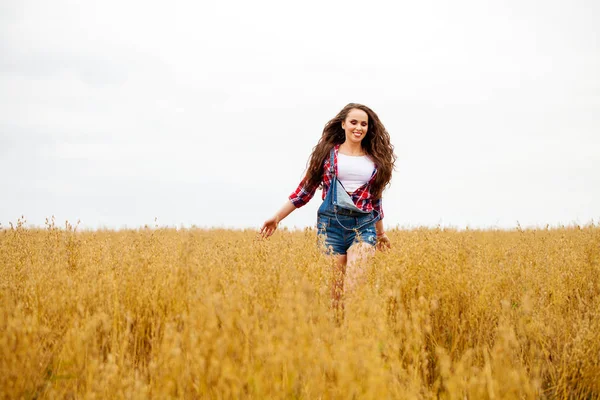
[205, 113]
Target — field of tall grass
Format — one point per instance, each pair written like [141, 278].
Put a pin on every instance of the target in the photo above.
[191, 313]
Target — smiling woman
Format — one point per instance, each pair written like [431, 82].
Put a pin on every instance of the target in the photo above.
[353, 163]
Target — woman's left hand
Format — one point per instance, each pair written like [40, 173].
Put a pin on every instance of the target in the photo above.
[383, 242]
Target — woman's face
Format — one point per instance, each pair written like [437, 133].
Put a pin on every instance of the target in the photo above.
[355, 125]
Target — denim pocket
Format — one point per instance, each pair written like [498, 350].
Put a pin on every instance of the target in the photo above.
[367, 219]
[365, 234]
[322, 223]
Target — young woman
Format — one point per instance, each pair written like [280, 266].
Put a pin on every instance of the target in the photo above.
[353, 163]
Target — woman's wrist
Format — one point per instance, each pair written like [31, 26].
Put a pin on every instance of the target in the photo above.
[381, 234]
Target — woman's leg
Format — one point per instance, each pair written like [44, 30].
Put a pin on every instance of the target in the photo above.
[358, 254]
[337, 283]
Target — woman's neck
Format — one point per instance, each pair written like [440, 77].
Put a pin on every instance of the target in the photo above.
[352, 149]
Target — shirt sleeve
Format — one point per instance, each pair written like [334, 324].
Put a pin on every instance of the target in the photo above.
[302, 194]
[377, 206]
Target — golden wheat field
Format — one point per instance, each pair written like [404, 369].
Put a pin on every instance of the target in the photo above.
[191, 313]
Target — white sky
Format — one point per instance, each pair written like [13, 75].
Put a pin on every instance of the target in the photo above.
[205, 113]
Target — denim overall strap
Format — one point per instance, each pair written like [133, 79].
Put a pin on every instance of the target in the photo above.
[334, 198]
[331, 162]
[333, 183]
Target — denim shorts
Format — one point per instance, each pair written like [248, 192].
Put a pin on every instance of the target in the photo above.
[338, 239]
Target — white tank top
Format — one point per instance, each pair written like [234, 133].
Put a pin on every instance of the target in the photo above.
[353, 172]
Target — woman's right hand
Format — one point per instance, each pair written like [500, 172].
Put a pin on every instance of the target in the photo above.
[269, 227]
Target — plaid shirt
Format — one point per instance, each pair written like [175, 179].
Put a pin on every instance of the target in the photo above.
[361, 197]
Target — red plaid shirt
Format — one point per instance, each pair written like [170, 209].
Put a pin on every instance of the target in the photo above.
[361, 197]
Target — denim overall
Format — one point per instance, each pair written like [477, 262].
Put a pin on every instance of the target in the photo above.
[339, 220]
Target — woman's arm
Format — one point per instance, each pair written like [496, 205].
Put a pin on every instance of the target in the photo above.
[383, 241]
[301, 196]
[379, 228]
[271, 224]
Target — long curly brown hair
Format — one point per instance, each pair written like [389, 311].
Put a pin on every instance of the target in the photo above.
[376, 144]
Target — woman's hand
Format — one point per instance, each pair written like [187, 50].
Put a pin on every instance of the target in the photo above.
[383, 242]
[269, 227]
